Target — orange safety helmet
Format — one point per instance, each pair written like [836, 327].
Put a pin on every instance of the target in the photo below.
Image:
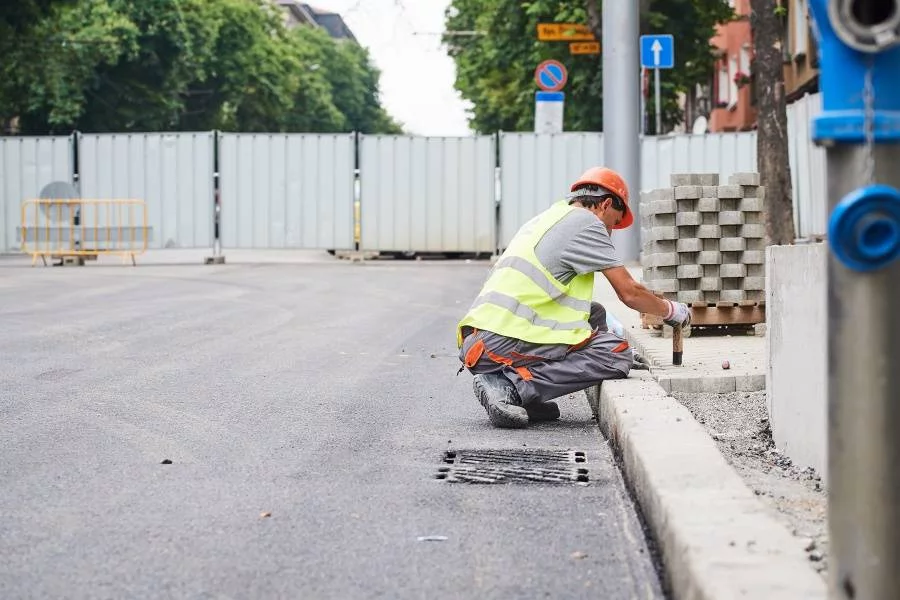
[609, 180]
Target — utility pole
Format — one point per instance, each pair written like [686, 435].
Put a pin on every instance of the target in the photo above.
[859, 127]
[621, 103]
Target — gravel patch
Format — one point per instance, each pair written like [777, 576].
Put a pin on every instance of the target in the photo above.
[738, 422]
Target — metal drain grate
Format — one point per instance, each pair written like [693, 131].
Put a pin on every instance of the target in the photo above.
[525, 465]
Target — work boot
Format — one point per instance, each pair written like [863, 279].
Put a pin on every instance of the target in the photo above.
[500, 400]
[542, 411]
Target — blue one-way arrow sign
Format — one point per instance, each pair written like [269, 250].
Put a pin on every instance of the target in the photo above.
[657, 51]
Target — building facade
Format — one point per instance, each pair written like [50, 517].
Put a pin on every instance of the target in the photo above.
[299, 13]
[727, 101]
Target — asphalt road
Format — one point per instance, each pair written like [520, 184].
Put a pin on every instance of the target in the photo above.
[323, 394]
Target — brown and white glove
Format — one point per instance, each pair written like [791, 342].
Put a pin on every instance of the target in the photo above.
[679, 315]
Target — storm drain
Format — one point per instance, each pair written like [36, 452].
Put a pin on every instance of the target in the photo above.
[525, 465]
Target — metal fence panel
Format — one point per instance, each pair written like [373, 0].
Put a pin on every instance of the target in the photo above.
[807, 168]
[27, 164]
[427, 194]
[536, 170]
[286, 190]
[722, 153]
[171, 172]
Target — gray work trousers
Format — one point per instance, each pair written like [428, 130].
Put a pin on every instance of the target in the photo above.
[543, 372]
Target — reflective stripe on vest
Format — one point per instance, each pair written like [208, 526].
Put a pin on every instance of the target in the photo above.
[522, 300]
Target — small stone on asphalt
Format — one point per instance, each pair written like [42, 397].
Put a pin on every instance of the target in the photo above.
[166, 461]
[579, 555]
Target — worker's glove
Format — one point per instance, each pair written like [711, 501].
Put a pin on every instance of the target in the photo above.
[638, 361]
[679, 315]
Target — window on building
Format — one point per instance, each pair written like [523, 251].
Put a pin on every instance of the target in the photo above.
[745, 60]
[722, 86]
[801, 24]
[733, 86]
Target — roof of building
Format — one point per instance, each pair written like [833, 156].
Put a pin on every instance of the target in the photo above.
[330, 21]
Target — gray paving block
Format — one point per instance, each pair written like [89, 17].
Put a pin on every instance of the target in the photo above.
[753, 231]
[664, 233]
[753, 218]
[754, 283]
[750, 383]
[733, 244]
[753, 257]
[710, 284]
[709, 191]
[730, 191]
[708, 231]
[665, 220]
[751, 204]
[661, 194]
[755, 295]
[662, 246]
[678, 179]
[664, 259]
[688, 218]
[709, 257]
[698, 385]
[755, 243]
[689, 272]
[659, 207]
[687, 192]
[663, 285]
[708, 204]
[731, 217]
[744, 179]
[688, 296]
[756, 270]
[666, 272]
[689, 245]
[711, 296]
[732, 270]
[708, 179]
[732, 295]
[710, 270]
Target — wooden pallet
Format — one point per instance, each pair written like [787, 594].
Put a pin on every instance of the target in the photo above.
[717, 314]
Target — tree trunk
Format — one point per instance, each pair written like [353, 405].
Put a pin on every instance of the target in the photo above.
[771, 136]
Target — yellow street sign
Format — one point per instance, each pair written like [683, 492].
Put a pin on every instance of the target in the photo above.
[584, 48]
[564, 32]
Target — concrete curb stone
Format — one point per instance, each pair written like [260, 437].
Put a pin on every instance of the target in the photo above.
[717, 539]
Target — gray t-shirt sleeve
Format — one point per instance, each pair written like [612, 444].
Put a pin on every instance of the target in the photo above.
[590, 249]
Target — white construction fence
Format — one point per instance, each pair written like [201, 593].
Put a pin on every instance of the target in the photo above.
[368, 192]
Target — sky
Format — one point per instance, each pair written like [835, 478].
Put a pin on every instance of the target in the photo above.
[416, 74]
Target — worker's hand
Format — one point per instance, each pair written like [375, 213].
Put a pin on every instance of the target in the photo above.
[679, 315]
[638, 361]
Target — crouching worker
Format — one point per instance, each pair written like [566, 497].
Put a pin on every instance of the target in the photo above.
[533, 333]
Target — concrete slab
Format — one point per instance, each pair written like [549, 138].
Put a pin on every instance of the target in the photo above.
[716, 538]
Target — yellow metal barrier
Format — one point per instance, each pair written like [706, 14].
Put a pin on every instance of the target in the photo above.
[83, 229]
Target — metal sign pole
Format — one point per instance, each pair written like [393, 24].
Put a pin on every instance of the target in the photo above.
[859, 126]
[658, 112]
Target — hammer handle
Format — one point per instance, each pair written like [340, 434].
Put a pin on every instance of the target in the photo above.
[677, 346]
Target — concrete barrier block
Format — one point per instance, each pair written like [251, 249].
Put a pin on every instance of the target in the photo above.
[666, 259]
[689, 271]
[709, 191]
[688, 218]
[661, 195]
[753, 231]
[710, 284]
[663, 285]
[753, 257]
[733, 244]
[751, 205]
[688, 296]
[709, 257]
[664, 233]
[732, 295]
[662, 207]
[750, 383]
[687, 192]
[730, 191]
[733, 270]
[689, 245]
[709, 231]
[682, 179]
[731, 217]
[754, 283]
[708, 179]
[663, 220]
[708, 204]
[744, 179]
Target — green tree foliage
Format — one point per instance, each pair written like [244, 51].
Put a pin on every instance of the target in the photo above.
[166, 65]
[495, 68]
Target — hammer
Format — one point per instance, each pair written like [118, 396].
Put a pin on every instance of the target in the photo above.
[677, 346]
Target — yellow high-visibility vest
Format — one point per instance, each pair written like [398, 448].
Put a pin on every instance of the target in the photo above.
[522, 300]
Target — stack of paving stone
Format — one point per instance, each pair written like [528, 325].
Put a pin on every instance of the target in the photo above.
[704, 243]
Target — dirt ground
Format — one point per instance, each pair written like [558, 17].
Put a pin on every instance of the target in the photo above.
[739, 424]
